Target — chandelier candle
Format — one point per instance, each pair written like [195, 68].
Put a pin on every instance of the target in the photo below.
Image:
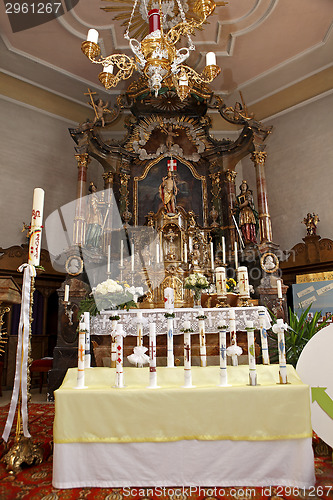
[66, 295]
[223, 353]
[232, 326]
[202, 337]
[152, 357]
[187, 356]
[120, 353]
[263, 337]
[92, 36]
[243, 282]
[221, 286]
[87, 355]
[81, 351]
[279, 288]
[170, 355]
[251, 353]
[139, 328]
[279, 328]
[36, 227]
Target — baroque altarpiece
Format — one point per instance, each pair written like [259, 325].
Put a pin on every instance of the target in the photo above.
[174, 186]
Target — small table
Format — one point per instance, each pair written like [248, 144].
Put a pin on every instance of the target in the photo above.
[203, 436]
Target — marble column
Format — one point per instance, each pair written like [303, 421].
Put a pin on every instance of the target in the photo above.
[108, 186]
[230, 177]
[79, 229]
[265, 226]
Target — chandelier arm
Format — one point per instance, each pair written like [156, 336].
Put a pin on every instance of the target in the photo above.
[207, 76]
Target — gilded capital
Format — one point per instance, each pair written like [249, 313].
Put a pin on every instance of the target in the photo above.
[108, 178]
[230, 175]
[259, 156]
[83, 160]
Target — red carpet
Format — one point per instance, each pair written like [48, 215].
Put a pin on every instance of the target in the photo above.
[35, 482]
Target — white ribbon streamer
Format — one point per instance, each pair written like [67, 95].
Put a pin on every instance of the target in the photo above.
[21, 369]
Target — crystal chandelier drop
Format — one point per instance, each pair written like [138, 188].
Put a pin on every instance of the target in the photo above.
[156, 56]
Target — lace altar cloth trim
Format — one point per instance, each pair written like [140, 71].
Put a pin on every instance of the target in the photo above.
[101, 325]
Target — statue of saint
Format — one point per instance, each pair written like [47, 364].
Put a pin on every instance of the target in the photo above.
[94, 219]
[168, 192]
[170, 134]
[247, 214]
[311, 221]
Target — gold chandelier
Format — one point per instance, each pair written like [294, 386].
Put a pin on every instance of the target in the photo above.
[156, 56]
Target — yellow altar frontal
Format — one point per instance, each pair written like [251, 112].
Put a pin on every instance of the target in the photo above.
[181, 428]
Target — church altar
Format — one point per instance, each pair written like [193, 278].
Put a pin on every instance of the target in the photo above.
[171, 436]
[100, 325]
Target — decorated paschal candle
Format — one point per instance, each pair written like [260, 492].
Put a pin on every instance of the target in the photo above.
[35, 241]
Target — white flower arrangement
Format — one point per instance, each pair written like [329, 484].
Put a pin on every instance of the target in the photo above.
[196, 281]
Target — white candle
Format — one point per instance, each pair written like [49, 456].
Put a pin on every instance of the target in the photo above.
[251, 353]
[81, 351]
[236, 255]
[109, 258]
[187, 358]
[121, 253]
[221, 286]
[36, 227]
[202, 336]
[210, 59]
[190, 244]
[92, 36]
[243, 282]
[233, 339]
[263, 337]
[132, 256]
[139, 328]
[212, 255]
[278, 328]
[120, 354]
[170, 355]
[185, 253]
[108, 68]
[66, 296]
[223, 249]
[152, 356]
[183, 80]
[223, 354]
[279, 288]
[87, 355]
[157, 253]
[169, 298]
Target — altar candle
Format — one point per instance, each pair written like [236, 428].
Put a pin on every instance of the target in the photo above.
[212, 255]
[282, 351]
[263, 337]
[279, 288]
[169, 298]
[223, 249]
[223, 353]
[66, 296]
[36, 227]
[132, 256]
[170, 355]
[81, 350]
[187, 357]
[152, 356]
[243, 281]
[87, 355]
[121, 253]
[109, 258]
[221, 286]
[233, 340]
[251, 353]
[185, 253]
[120, 354]
[139, 328]
[190, 244]
[202, 338]
[236, 255]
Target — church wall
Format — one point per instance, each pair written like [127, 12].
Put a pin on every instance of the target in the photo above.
[298, 171]
[37, 151]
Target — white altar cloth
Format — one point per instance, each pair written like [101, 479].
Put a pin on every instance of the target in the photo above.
[100, 325]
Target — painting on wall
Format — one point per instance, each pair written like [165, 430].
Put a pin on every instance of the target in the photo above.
[318, 294]
[189, 196]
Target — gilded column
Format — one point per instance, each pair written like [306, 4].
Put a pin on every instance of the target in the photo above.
[216, 199]
[81, 191]
[258, 158]
[230, 177]
[107, 224]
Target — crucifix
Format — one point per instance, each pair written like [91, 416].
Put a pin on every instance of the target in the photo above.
[81, 352]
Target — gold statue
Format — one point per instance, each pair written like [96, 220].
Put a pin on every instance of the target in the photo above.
[168, 192]
[311, 221]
